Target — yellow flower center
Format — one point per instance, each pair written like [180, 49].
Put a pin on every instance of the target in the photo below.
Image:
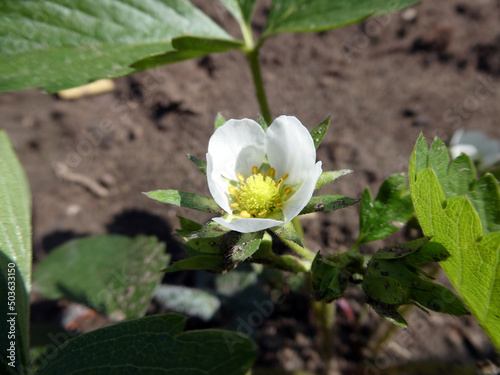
[259, 195]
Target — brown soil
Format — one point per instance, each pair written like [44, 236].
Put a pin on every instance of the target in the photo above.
[383, 82]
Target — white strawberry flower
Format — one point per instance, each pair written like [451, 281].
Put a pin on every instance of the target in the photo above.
[261, 179]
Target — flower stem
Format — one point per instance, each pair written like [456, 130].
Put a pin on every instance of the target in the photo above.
[324, 314]
[253, 61]
[299, 250]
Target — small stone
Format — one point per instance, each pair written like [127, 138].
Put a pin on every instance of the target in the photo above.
[409, 15]
[422, 120]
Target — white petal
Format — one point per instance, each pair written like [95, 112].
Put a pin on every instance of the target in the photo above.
[290, 149]
[248, 225]
[298, 201]
[217, 186]
[236, 147]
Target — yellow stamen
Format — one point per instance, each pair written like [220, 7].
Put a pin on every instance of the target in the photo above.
[235, 205]
[255, 170]
[272, 172]
[232, 190]
[253, 212]
[285, 176]
[240, 177]
[288, 190]
[244, 214]
[262, 213]
[278, 205]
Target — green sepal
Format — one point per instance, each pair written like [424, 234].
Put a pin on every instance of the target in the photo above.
[318, 133]
[330, 176]
[201, 164]
[187, 227]
[219, 121]
[246, 246]
[328, 280]
[213, 263]
[327, 203]
[384, 289]
[401, 250]
[184, 199]
[209, 230]
[390, 210]
[262, 122]
[288, 232]
[437, 298]
[388, 312]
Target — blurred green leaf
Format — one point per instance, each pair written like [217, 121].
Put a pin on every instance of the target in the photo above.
[473, 266]
[319, 15]
[153, 345]
[15, 253]
[183, 199]
[318, 133]
[189, 301]
[390, 210]
[113, 274]
[187, 227]
[327, 203]
[330, 176]
[70, 43]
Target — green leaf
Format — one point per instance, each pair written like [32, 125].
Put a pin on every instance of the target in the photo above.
[153, 345]
[189, 301]
[113, 274]
[15, 210]
[202, 262]
[201, 164]
[183, 199]
[15, 251]
[185, 48]
[328, 280]
[390, 210]
[327, 203]
[240, 9]
[474, 264]
[330, 176]
[62, 43]
[318, 133]
[289, 233]
[15, 322]
[319, 15]
[458, 179]
[219, 121]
